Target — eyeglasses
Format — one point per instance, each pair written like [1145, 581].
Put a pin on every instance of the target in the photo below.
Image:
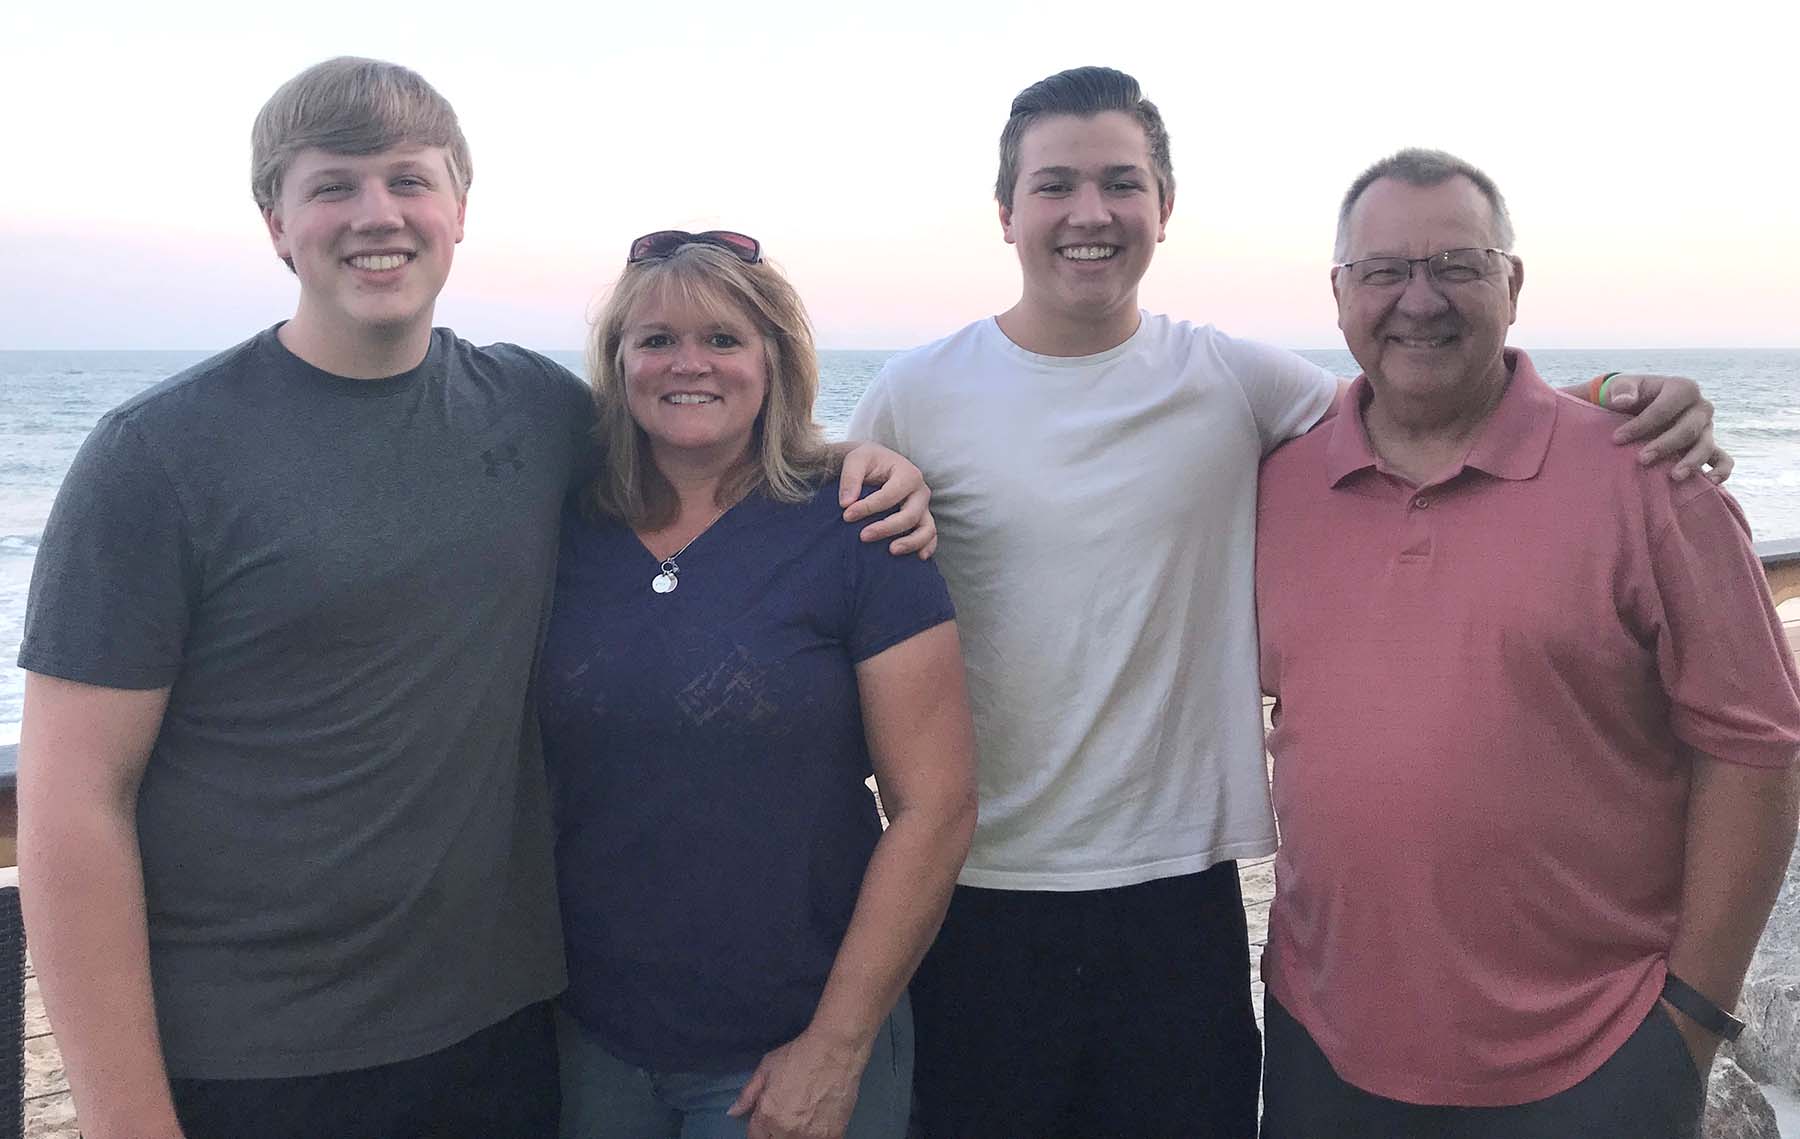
[664, 242]
[1451, 267]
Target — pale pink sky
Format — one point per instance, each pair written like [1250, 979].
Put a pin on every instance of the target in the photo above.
[1646, 159]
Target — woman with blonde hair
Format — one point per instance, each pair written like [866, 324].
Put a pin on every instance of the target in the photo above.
[726, 665]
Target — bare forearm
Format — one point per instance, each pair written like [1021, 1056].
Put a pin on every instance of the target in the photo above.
[904, 894]
[83, 895]
[922, 745]
[1741, 823]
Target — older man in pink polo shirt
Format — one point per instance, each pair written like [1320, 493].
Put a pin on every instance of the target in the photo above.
[1536, 723]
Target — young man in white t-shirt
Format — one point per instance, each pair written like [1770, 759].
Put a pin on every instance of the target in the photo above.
[1094, 475]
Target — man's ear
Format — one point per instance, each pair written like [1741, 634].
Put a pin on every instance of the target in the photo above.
[1162, 221]
[278, 236]
[462, 212]
[1515, 282]
[277, 232]
[1006, 230]
[1338, 295]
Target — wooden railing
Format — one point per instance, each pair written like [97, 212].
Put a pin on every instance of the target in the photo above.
[1781, 565]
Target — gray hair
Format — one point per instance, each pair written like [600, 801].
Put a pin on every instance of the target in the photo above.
[1420, 167]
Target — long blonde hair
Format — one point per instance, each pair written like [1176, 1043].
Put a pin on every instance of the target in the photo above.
[788, 451]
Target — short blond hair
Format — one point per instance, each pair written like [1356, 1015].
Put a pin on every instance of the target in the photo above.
[352, 106]
[788, 450]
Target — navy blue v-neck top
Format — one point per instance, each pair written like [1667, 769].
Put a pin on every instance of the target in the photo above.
[707, 762]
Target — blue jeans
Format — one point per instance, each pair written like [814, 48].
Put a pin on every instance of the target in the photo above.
[603, 1097]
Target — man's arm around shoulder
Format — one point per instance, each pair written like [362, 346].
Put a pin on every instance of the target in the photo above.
[82, 752]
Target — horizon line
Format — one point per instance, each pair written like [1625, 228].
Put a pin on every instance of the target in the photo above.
[1289, 347]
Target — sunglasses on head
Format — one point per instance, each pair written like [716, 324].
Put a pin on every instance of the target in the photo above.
[662, 243]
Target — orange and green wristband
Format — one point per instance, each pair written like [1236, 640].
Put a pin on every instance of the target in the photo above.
[1597, 388]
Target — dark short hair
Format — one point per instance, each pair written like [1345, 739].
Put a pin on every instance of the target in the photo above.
[1086, 92]
[1417, 166]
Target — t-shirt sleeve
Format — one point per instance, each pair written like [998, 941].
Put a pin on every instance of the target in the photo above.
[873, 419]
[1733, 689]
[891, 598]
[579, 399]
[115, 580]
[1287, 394]
[568, 397]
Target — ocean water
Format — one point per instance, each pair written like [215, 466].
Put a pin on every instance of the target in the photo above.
[50, 400]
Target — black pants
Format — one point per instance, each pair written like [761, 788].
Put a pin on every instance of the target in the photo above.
[1095, 1014]
[500, 1083]
[1648, 1089]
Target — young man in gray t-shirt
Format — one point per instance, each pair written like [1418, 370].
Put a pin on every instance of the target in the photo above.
[285, 839]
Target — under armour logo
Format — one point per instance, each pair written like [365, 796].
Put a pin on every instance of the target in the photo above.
[505, 455]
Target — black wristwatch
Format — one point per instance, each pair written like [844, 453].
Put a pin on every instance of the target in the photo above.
[1700, 1009]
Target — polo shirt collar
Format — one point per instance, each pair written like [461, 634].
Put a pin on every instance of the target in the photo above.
[1510, 445]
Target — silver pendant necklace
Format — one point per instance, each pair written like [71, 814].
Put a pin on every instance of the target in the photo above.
[670, 577]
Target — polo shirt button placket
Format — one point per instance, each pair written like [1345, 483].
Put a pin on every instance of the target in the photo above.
[1415, 547]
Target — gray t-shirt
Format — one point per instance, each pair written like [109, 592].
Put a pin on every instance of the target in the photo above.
[344, 826]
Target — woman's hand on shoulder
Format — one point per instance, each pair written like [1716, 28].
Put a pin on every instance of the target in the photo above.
[902, 485]
[805, 1089]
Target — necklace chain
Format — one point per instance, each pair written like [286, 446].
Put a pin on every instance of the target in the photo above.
[670, 577]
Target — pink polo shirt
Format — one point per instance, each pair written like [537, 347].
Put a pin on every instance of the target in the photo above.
[1490, 692]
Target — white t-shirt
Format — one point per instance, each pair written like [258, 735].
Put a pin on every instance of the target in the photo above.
[1096, 518]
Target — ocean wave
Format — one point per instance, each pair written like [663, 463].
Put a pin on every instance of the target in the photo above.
[19, 544]
[1761, 431]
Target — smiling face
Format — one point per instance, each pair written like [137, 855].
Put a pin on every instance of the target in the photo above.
[371, 237]
[1428, 342]
[1086, 216]
[696, 377]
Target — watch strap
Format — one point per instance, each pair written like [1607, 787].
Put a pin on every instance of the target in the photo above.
[1700, 1008]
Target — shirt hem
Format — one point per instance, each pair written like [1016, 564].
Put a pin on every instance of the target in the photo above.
[677, 1060]
[1513, 1092]
[242, 1066]
[133, 680]
[900, 636]
[994, 879]
[1771, 753]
